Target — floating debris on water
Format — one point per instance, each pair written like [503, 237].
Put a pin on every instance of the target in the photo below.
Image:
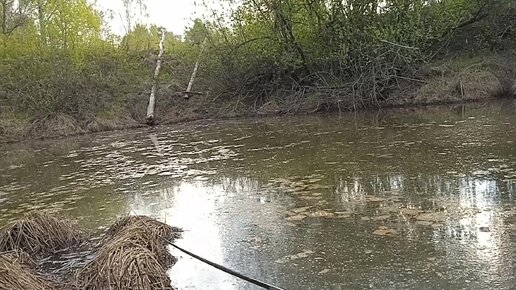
[382, 218]
[321, 213]
[424, 223]
[375, 199]
[298, 217]
[432, 217]
[324, 271]
[297, 256]
[385, 231]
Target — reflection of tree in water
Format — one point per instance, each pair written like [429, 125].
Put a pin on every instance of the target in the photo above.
[480, 240]
[222, 175]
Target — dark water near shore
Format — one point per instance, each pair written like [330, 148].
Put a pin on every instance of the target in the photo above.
[397, 199]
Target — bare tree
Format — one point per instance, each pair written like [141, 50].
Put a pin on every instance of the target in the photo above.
[194, 73]
[151, 119]
[6, 7]
[14, 15]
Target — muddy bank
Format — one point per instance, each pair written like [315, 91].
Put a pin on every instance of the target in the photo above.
[45, 252]
[454, 80]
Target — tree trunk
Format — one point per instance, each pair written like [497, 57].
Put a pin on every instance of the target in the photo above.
[42, 23]
[151, 119]
[284, 26]
[194, 73]
[4, 17]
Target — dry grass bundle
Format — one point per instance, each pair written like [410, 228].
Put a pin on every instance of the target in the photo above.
[21, 257]
[142, 236]
[154, 227]
[39, 234]
[120, 266]
[15, 276]
[132, 256]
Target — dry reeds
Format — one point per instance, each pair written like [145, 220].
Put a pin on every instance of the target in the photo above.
[121, 267]
[39, 234]
[16, 276]
[21, 257]
[133, 255]
[154, 227]
[505, 89]
[54, 124]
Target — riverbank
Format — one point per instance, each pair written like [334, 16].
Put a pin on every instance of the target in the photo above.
[460, 79]
[353, 60]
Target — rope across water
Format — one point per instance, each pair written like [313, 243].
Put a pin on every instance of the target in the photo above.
[218, 266]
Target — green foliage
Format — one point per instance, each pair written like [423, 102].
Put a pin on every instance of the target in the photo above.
[362, 46]
[59, 62]
[56, 57]
[41, 86]
[142, 38]
[197, 33]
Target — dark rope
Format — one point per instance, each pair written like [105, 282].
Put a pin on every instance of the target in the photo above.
[220, 267]
[227, 270]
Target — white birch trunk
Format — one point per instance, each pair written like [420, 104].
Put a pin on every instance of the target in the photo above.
[151, 119]
[194, 73]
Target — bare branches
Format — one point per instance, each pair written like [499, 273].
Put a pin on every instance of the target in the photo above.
[398, 45]
[477, 16]
[250, 41]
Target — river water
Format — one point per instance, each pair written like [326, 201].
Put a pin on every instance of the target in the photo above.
[396, 199]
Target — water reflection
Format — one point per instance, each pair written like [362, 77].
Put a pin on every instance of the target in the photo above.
[295, 201]
[203, 229]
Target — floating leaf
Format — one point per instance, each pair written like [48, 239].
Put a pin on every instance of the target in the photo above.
[384, 231]
[310, 197]
[301, 209]
[375, 199]
[381, 218]
[424, 223]
[300, 255]
[432, 217]
[298, 217]
[321, 213]
[410, 212]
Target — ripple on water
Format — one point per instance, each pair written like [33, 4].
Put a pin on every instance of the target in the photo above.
[393, 200]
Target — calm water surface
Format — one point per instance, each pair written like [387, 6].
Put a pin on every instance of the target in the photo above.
[397, 199]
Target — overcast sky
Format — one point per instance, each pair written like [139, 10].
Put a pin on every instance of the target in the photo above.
[174, 15]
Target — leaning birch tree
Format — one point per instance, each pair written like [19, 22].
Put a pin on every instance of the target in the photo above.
[194, 73]
[151, 119]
